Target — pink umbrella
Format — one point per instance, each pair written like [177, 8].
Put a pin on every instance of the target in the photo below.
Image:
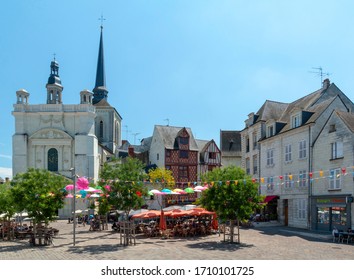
[82, 183]
[69, 187]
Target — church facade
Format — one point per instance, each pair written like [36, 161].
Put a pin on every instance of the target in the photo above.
[59, 137]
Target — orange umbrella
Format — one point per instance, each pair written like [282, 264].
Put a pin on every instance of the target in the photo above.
[175, 213]
[162, 221]
[147, 215]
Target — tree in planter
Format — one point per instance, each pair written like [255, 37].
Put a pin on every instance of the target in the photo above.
[126, 184]
[233, 195]
[40, 192]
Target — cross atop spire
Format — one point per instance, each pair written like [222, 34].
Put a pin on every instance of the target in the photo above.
[101, 19]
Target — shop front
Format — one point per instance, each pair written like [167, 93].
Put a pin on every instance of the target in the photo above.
[330, 212]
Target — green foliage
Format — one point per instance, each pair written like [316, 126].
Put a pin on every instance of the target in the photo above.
[232, 195]
[126, 182]
[162, 176]
[7, 204]
[40, 192]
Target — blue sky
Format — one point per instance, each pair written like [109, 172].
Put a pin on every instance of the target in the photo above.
[201, 64]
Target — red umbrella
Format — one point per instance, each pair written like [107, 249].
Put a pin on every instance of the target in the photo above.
[214, 223]
[162, 221]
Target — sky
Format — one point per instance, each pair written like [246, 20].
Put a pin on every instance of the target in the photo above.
[201, 64]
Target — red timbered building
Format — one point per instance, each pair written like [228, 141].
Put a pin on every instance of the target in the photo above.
[175, 148]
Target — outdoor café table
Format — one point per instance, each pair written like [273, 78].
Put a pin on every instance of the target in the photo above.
[346, 236]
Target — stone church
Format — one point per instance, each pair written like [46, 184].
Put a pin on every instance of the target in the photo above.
[59, 137]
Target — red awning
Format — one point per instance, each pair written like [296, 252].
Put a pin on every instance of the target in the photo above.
[269, 198]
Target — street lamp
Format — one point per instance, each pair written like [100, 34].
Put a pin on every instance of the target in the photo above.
[74, 204]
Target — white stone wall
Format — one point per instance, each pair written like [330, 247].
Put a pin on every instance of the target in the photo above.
[157, 148]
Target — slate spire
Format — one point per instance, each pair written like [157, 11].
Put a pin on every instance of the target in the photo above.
[100, 92]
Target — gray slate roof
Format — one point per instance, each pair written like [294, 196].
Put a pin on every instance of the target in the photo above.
[169, 133]
[230, 141]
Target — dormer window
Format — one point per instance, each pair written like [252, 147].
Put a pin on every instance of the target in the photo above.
[183, 140]
[295, 121]
[270, 131]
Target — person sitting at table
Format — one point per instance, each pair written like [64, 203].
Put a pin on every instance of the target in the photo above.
[114, 226]
[349, 230]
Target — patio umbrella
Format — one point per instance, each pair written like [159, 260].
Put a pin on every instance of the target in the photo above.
[135, 212]
[199, 188]
[180, 191]
[166, 191]
[189, 190]
[162, 224]
[214, 223]
[148, 214]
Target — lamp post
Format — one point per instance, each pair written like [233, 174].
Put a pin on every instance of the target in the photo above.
[74, 204]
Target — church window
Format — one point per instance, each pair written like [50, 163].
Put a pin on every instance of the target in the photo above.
[101, 129]
[52, 160]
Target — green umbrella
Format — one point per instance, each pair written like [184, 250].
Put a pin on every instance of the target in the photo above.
[189, 190]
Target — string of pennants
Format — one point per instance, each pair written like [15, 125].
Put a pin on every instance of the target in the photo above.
[264, 181]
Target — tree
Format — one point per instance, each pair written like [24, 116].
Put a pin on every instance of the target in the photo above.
[161, 177]
[126, 184]
[232, 195]
[7, 204]
[40, 192]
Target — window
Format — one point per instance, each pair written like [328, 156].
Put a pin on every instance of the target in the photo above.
[183, 154]
[334, 179]
[255, 142]
[157, 156]
[295, 121]
[332, 128]
[302, 178]
[183, 140]
[247, 144]
[255, 164]
[302, 149]
[270, 131]
[301, 209]
[53, 160]
[183, 171]
[270, 161]
[101, 129]
[288, 153]
[337, 150]
[270, 183]
[248, 166]
[289, 180]
[212, 155]
[168, 153]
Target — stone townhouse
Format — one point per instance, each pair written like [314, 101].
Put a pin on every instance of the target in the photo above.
[331, 195]
[287, 134]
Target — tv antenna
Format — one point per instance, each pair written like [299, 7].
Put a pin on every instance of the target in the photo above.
[127, 132]
[135, 134]
[168, 121]
[320, 73]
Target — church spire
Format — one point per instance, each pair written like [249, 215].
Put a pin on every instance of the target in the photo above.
[100, 92]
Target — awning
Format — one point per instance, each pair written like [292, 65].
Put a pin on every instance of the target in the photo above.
[269, 198]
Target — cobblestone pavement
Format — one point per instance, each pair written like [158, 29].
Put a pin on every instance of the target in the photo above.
[258, 243]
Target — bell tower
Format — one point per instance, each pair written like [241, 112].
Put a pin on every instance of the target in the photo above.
[54, 87]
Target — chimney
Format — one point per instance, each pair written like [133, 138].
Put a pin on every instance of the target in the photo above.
[326, 83]
[131, 152]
